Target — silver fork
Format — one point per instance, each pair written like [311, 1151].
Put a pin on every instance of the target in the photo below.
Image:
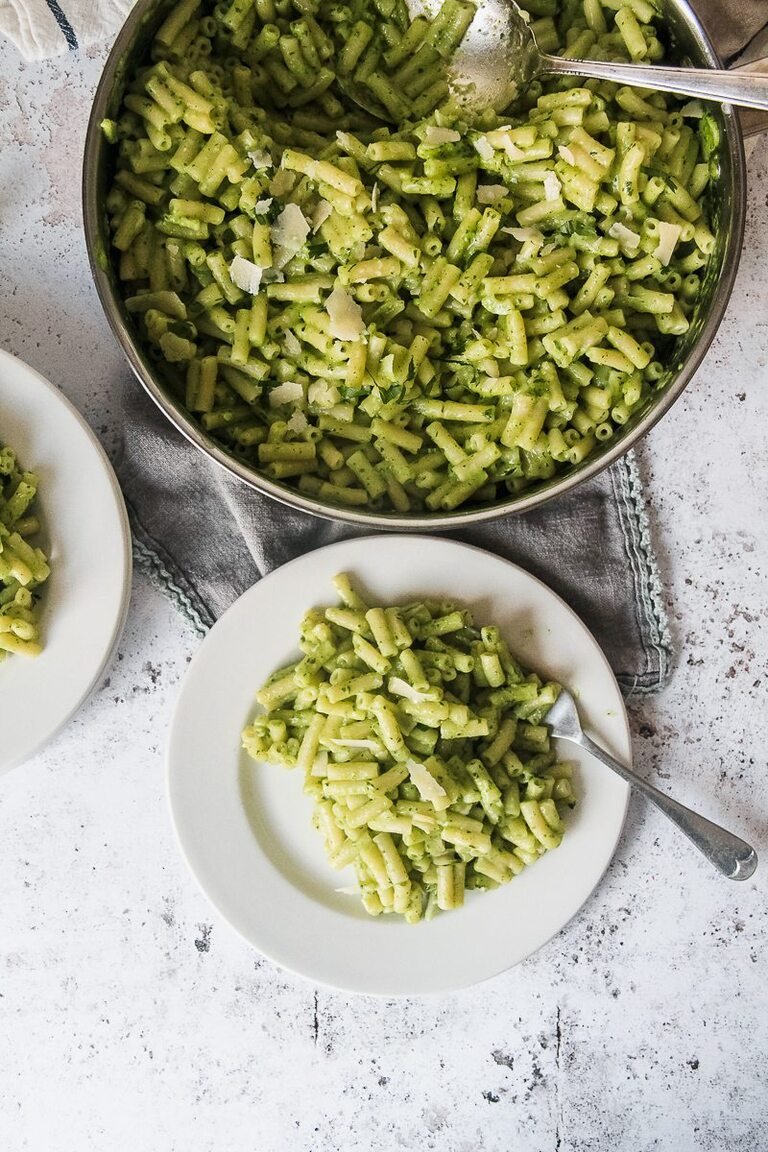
[732, 856]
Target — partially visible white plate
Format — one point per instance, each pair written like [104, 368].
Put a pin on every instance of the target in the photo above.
[246, 830]
[88, 540]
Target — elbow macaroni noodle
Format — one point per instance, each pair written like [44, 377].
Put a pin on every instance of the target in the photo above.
[423, 744]
[412, 317]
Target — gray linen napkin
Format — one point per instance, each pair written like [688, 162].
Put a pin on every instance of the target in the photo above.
[205, 537]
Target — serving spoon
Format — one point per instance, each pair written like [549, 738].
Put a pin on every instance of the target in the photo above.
[498, 59]
[730, 855]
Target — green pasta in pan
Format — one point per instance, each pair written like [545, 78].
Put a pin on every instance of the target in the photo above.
[414, 317]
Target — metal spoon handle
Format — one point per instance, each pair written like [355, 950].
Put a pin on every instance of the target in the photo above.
[748, 91]
[731, 855]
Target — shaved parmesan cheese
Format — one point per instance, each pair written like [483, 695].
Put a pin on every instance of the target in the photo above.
[348, 890]
[292, 345]
[552, 186]
[262, 206]
[260, 159]
[282, 182]
[298, 423]
[567, 155]
[433, 136]
[628, 239]
[427, 786]
[375, 198]
[500, 138]
[424, 823]
[669, 234]
[289, 232]
[693, 108]
[290, 228]
[513, 151]
[402, 688]
[321, 214]
[388, 366]
[321, 394]
[286, 393]
[346, 315]
[368, 745]
[490, 193]
[524, 234]
[246, 275]
[320, 766]
[483, 148]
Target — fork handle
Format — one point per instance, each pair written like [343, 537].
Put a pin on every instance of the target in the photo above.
[745, 89]
[730, 855]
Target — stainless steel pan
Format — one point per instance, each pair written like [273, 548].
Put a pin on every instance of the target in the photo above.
[728, 206]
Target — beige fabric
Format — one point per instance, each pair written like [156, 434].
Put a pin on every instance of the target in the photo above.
[732, 24]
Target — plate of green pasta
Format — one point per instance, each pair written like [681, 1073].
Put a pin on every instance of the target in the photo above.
[361, 776]
[65, 561]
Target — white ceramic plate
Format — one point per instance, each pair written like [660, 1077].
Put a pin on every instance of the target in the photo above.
[88, 540]
[245, 828]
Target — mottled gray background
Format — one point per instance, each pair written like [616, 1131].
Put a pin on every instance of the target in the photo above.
[133, 1020]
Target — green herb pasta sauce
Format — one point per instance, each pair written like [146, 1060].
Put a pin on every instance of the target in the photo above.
[23, 566]
[415, 316]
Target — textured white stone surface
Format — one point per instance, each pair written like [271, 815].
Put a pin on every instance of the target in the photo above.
[133, 1020]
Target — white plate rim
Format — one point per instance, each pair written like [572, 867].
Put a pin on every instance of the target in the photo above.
[9, 362]
[199, 658]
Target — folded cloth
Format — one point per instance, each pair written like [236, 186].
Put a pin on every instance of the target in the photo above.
[42, 28]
